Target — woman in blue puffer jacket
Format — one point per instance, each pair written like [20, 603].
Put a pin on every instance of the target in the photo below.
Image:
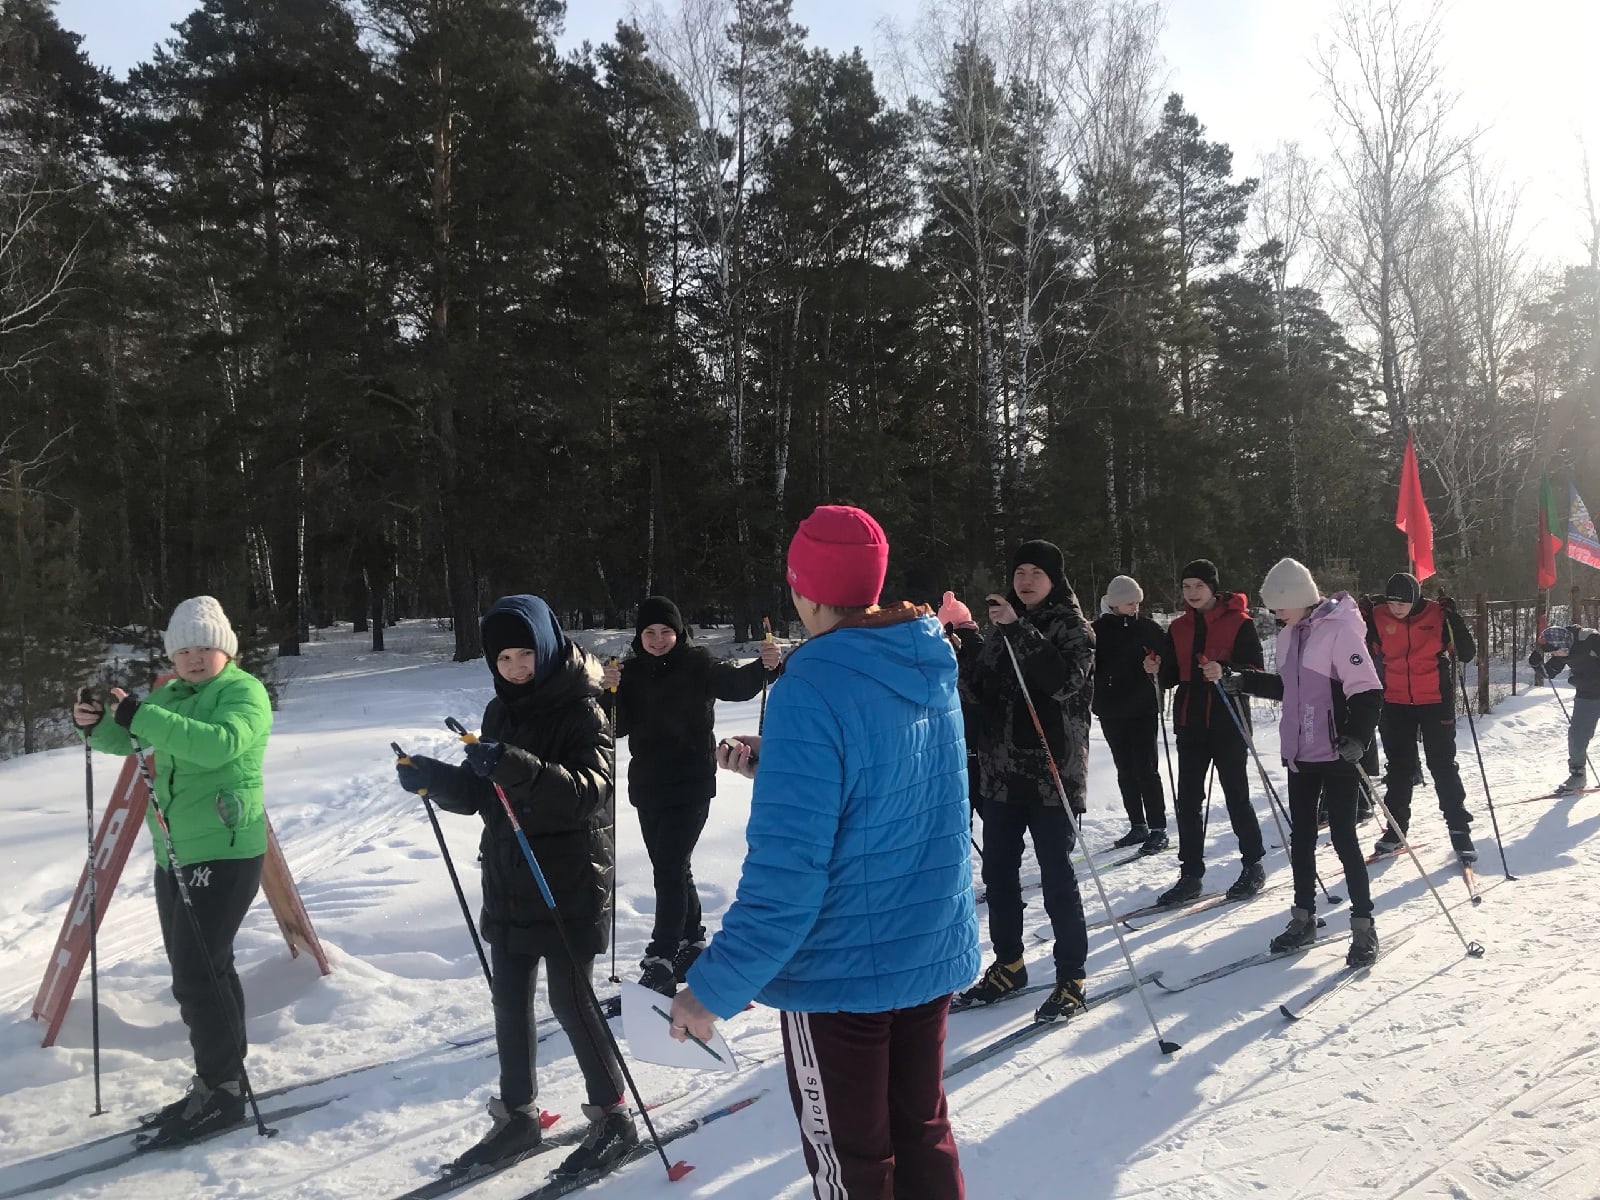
[854, 914]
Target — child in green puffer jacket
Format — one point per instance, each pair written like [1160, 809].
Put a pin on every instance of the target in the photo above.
[207, 728]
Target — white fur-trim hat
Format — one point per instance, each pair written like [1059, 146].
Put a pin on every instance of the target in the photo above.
[1289, 585]
[1124, 589]
[200, 621]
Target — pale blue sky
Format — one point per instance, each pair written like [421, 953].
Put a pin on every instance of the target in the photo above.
[1525, 69]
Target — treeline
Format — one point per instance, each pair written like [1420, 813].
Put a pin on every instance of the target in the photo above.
[352, 309]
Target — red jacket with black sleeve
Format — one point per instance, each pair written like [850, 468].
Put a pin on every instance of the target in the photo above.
[1413, 653]
[1224, 634]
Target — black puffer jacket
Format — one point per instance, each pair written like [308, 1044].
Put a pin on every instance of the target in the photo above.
[1122, 687]
[557, 773]
[666, 708]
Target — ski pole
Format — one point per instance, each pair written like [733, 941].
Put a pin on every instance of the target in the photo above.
[1274, 804]
[675, 1171]
[85, 696]
[611, 716]
[1473, 949]
[1166, 746]
[1077, 830]
[455, 881]
[766, 637]
[235, 1017]
[1466, 703]
[1568, 716]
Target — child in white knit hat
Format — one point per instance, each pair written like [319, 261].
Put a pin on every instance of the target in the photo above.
[1128, 703]
[208, 729]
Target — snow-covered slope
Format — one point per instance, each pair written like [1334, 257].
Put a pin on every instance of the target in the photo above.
[1440, 1076]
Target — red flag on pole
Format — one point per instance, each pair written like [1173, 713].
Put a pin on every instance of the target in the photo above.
[1411, 515]
[1549, 535]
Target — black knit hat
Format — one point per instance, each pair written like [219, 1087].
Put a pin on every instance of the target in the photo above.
[658, 610]
[1044, 555]
[1403, 586]
[1205, 571]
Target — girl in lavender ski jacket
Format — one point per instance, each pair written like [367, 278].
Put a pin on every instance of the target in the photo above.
[1331, 703]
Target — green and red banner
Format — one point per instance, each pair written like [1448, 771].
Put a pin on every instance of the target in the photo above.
[1549, 534]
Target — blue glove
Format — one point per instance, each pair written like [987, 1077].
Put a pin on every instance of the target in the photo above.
[484, 757]
[419, 774]
[1352, 750]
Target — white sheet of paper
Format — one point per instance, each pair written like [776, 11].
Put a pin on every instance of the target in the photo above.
[649, 1037]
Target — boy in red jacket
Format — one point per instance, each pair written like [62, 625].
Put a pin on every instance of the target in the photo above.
[1214, 630]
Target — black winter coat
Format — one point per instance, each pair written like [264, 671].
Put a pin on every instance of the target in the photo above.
[557, 773]
[1122, 687]
[1054, 646]
[1583, 660]
[666, 708]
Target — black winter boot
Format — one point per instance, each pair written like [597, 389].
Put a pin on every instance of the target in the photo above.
[999, 981]
[1363, 943]
[658, 976]
[611, 1136]
[1133, 837]
[515, 1133]
[1250, 882]
[1186, 889]
[1302, 931]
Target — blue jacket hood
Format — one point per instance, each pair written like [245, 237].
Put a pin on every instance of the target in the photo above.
[524, 621]
[909, 656]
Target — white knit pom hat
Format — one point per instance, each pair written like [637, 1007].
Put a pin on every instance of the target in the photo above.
[1124, 589]
[200, 621]
[1289, 585]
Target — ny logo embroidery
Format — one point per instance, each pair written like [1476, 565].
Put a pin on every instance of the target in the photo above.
[199, 876]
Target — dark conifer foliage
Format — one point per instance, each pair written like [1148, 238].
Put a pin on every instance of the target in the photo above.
[368, 309]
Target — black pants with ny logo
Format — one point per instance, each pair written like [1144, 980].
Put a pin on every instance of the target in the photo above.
[221, 893]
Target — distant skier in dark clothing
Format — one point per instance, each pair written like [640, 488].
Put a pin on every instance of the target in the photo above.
[1416, 643]
[1215, 630]
[1576, 648]
[1128, 704]
[666, 694]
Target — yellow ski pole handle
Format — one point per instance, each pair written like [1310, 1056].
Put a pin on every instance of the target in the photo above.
[460, 730]
[611, 662]
[404, 759]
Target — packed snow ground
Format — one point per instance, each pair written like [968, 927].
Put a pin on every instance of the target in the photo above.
[1439, 1076]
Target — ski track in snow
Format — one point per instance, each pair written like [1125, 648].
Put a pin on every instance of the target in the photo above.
[1439, 1076]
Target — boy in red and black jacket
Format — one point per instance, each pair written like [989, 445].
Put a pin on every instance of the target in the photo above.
[1214, 630]
[1415, 644]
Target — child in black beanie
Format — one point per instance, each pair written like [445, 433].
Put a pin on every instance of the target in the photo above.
[666, 694]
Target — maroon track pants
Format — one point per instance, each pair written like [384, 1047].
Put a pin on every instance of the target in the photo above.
[868, 1090]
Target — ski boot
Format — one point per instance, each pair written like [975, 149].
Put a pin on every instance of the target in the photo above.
[658, 975]
[1302, 931]
[611, 1136]
[1186, 889]
[684, 958]
[1156, 843]
[1066, 999]
[1250, 882]
[1133, 837]
[1461, 843]
[1390, 842]
[1576, 782]
[1363, 943]
[207, 1110]
[998, 982]
[514, 1133]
